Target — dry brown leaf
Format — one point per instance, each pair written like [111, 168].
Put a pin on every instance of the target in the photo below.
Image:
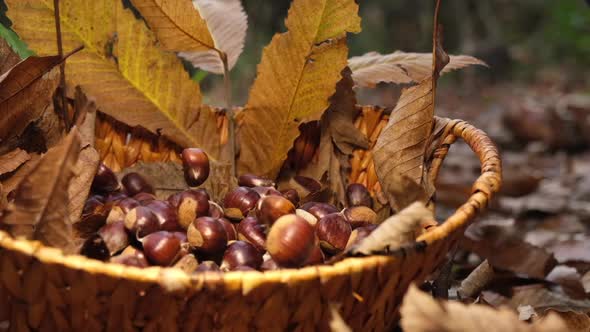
[227, 23]
[20, 173]
[25, 91]
[122, 68]
[8, 58]
[402, 145]
[88, 160]
[421, 313]
[579, 322]
[400, 67]
[395, 232]
[339, 138]
[40, 210]
[498, 245]
[298, 73]
[12, 160]
[586, 282]
[540, 298]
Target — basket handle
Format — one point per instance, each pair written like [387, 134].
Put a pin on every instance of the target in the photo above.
[486, 185]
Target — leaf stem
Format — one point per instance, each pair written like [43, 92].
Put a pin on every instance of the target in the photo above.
[229, 112]
[62, 66]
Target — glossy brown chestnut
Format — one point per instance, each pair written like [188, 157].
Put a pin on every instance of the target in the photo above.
[241, 253]
[242, 198]
[333, 232]
[319, 210]
[195, 164]
[290, 241]
[230, 229]
[292, 195]
[141, 221]
[250, 230]
[131, 257]
[251, 180]
[316, 256]
[207, 235]
[161, 248]
[94, 247]
[191, 205]
[105, 180]
[135, 184]
[266, 191]
[120, 209]
[359, 216]
[215, 210]
[207, 266]
[114, 197]
[92, 205]
[269, 265]
[311, 219]
[114, 236]
[358, 195]
[271, 208]
[166, 214]
[145, 198]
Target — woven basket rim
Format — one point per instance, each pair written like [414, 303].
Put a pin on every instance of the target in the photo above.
[173, 278]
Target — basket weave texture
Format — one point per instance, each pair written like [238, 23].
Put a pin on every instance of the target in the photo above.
[40, 288]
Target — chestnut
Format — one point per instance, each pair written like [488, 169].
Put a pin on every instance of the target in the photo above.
[120, 209]
[316, 256]
[271, 208]
[333, 232]
[187, 263]
[131, 257]
[269, 265]
[114, 197]
[161, 248]
[360, 215]
[250, 230]
[92, 205]
[290, 241]
[114, 236]
[241, 253]
[135, 184]
[242, 199]
[105, 180]
[319, 210]
[166, 214]
[251, 180]
[215, 210]
[195, 164]
[191, 205]
[141, 221]
[358, 195]
[230, 229]
[292, 195]
[311, 219]
[244, 268]
[207, 266]
[359, 234]
[267, 191]
[94, 247]
[207, 235]
[145, 198]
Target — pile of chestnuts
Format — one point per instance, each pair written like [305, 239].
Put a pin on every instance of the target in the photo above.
[256, 227]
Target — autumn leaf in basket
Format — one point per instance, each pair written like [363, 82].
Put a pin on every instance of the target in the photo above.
[400, 151]
[121, 67]
[298, 73]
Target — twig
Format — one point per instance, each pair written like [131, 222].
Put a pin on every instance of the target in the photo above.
[62, 66]
[442, 283]
[229, 112]
[476, 281]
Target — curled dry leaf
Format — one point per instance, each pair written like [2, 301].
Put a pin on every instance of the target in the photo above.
[394, 232]
[400, 67]
[40, 210]
[498, 245]
[122, 68]
[338, 139]
[7, 56]
[421, 313]
[298, 73]
[402, 145]
[12, 160]
[227, 23]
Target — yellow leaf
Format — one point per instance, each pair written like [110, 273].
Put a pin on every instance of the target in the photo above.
[400, 149]
[121, 67]
[177, 24]
[401, 67]
[298, 73]
[421, 313]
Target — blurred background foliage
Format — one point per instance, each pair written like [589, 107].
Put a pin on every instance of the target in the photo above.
[519, 39]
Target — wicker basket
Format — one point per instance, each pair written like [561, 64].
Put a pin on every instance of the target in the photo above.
[42, 288]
